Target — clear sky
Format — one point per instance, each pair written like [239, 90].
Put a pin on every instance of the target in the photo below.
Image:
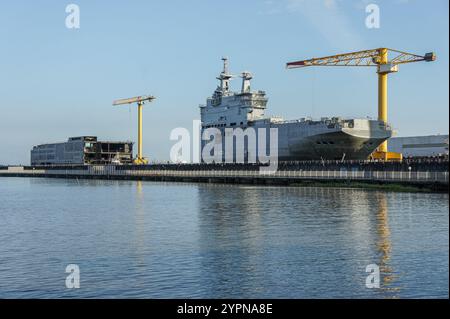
[57, 82]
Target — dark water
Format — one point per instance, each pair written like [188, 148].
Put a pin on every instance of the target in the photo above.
[158, 240]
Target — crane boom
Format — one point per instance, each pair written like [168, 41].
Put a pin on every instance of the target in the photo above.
[137, 99]
[362, 58]
[367, 58]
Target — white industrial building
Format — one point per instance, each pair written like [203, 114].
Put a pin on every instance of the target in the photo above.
[419, 146]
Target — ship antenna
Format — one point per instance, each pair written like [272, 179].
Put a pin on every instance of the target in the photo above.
[225, 64]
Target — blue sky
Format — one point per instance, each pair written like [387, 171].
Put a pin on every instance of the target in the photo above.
[57, 82]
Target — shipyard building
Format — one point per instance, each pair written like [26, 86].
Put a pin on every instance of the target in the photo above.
[82, 150]
[420, 146]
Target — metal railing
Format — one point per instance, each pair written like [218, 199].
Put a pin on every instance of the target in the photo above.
[366, 175]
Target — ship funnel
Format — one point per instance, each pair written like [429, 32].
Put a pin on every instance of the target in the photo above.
[246, 77]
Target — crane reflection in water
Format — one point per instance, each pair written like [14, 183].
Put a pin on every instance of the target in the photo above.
[384, 246]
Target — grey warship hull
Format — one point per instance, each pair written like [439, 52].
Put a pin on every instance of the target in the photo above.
[297, 141]
[304, 139]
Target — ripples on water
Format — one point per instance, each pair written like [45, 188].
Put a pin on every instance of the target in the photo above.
[166, 240]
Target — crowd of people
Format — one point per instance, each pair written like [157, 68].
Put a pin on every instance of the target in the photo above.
[408, 164]
[423, 164]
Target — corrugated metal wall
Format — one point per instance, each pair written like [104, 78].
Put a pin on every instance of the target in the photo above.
[415, 146]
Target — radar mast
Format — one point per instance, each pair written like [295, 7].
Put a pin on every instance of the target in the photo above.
[224, 78]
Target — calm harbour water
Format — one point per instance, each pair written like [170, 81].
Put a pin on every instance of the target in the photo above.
[166, 240]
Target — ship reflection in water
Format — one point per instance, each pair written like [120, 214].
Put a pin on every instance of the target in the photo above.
[303, 242]
[168, 240]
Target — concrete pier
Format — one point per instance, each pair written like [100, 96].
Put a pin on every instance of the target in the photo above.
[427, 175]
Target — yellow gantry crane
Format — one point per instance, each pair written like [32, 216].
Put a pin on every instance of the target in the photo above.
[378, 58]
[140, 100]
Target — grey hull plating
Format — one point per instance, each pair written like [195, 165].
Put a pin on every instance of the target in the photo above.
[303, 139]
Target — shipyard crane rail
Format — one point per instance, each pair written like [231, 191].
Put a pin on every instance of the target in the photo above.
[371, 58]
[140, 100]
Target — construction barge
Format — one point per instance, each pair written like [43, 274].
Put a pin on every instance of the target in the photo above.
[421, 173]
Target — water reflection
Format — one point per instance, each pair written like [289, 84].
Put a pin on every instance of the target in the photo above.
[140, 224]
[384, 246]
[168, 240]
[313, 230]
[140, 213]
[232, 237]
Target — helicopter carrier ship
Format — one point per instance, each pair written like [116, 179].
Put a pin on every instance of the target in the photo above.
[302, 139]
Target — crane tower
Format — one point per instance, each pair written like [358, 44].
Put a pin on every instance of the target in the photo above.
[140, 100]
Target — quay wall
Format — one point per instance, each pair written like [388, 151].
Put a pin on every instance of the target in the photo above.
[436, 176]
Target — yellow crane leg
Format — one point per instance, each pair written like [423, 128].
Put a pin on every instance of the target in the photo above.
[382, 152]
[382, 105]
[139, 131]
[140, 159]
